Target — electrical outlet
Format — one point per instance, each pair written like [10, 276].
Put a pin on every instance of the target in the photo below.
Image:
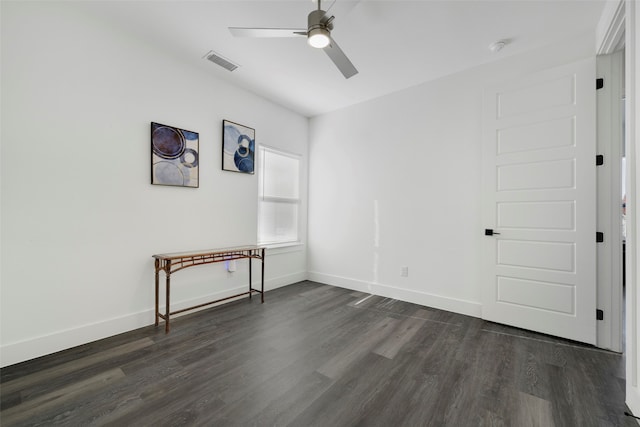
[404, 271]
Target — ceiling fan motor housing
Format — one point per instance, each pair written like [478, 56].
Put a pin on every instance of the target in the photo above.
[318, 19]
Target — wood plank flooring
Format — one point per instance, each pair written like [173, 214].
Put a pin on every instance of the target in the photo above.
[316, 355]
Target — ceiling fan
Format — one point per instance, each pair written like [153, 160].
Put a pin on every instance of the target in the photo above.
[318, 34]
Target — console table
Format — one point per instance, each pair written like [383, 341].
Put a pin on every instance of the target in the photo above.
[170, 263]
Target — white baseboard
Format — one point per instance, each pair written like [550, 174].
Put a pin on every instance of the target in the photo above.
[633, 399]
[46, 344]
[469, 308]
[281, 281]
[39, 346]
[342, 282]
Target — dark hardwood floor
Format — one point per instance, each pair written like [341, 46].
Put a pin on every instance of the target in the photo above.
[316, 355]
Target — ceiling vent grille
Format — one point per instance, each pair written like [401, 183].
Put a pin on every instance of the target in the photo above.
[220, 60]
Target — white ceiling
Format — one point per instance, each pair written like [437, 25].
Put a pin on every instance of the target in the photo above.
[394, 44]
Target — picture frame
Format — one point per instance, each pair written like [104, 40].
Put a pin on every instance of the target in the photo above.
[174, 156]
[238, 147]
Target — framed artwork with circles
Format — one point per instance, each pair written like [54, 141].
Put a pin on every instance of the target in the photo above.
[238, 147]
[174, 156]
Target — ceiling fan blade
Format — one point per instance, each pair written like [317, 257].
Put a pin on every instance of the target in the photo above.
[267, 32]
[340, 59]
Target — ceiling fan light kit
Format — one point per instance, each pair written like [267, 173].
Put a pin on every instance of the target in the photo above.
[318, 38]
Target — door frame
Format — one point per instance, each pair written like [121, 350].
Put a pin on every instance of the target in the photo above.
[609, 185]
[620, 19]
[632, 119]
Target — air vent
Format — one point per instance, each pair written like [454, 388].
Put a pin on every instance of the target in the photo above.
[221, 61]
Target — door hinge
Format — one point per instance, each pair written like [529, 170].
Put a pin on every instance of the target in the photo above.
[599, 160]
[599, 314]
[599, 237]
[599, 83]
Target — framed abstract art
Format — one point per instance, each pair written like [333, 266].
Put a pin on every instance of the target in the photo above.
[238, 147]
[174, 156]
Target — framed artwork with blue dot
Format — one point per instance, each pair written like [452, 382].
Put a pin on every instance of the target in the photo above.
[238, 147]
[174, 156]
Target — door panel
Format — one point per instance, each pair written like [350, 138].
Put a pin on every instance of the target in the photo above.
[536, 294]
[539, 196]
[536, 215]
[536, 176]
[537, 136]
[538, 96]
[556, 256]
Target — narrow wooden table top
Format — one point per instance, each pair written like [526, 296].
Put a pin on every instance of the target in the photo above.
[207, 252]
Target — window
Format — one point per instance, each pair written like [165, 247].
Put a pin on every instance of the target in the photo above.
[278, 197]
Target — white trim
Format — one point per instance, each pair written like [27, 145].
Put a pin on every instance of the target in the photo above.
[283, 248]
[31, 348]
[342, 282]
[45, 344]
[286, 280]
[611, 27]
[280, 151]
[609, 199]
[455, 305]
[632, 63]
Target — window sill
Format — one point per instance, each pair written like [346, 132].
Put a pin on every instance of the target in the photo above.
[282, 248]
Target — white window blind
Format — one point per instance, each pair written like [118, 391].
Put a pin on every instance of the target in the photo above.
[279, 197]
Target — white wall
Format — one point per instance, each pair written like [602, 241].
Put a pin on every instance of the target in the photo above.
[80, 219]
[396, 182]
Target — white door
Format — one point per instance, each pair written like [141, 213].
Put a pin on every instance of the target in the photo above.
[540, 196]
